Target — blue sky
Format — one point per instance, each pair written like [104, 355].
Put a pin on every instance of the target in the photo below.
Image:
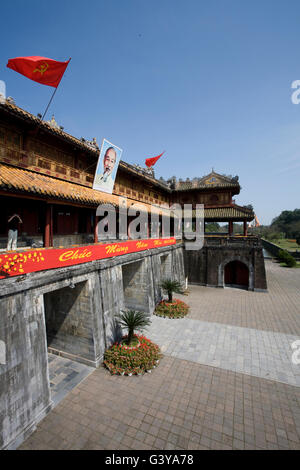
[208, 82]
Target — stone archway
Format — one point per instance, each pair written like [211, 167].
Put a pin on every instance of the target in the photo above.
[236, 274]
[239, 269]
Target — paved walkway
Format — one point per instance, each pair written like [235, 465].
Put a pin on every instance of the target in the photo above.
[64, 375]
[260, 353]
[210, 390]
[220, 341]
[277, 310]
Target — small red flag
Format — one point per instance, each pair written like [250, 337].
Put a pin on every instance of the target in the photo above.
[39, 69]
[151, 161]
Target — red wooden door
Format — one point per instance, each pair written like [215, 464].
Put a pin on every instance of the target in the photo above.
[64, 223]
[236, 273]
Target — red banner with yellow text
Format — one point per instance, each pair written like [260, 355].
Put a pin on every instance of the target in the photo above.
[16, 263]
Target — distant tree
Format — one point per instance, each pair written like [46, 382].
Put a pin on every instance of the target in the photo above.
[267, 232]
[171, 287]
[287, 258]
[212, 227]
[238, 228]
[287, 222]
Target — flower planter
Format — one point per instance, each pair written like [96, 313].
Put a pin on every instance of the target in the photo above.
[132, 360]
[124, 346]
[175, 309]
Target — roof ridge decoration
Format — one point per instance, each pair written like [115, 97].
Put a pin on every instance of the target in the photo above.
[218, 176]
[54, 128]
[213, 179]
[92, 146]
[50, 125]
[145, 173]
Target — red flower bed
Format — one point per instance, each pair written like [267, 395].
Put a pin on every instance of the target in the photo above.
[176, 309]
[122, 360]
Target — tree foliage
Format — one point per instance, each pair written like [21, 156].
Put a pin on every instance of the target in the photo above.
[171, 287]
[287, 222]
[212, 227]
[134, 320]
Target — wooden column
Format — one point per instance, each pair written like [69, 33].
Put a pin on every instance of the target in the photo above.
[48, 232]
[96, 229]
[230, 228]
[129, 219]
[74, 215]
[245, 228]
[88, 222]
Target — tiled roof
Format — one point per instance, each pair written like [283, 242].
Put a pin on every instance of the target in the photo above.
[226, 213]
[213, 180]
[186, 185]
[133, 170]
[25, 115]
[14, 179]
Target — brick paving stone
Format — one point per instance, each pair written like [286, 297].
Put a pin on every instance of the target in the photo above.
[271, 352]
[202, 428]
[190, 405]
[276, 310]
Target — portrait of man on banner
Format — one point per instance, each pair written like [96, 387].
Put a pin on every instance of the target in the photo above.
[107, 167]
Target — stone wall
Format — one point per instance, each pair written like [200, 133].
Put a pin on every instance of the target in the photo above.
[274, 249]
[24, 384]
[72, 321]
[206, 266]
[137, 277]
[77, 307]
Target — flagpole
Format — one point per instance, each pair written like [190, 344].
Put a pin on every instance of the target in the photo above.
[50, 101]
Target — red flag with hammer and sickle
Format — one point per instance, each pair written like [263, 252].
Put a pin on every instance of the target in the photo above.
[40, 69]
[151, 161]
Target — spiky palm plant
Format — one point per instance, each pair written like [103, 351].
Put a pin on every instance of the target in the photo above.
[171, 287]
[133, 320]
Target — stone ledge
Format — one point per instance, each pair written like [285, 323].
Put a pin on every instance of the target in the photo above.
[38, 279]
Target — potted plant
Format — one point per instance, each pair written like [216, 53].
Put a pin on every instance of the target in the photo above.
[171, 287]
[134, 354]
[173, 308]
[133, 320]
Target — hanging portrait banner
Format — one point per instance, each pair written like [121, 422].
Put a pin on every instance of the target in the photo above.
[107, 167]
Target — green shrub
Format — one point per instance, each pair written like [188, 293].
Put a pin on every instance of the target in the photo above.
[290, 261]
[283, 255]
[287, 258]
